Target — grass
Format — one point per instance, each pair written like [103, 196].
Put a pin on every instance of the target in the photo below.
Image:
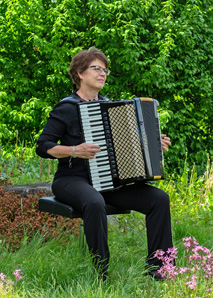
[58, 269]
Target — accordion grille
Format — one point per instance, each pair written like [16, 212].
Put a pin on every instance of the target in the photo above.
[127, 145]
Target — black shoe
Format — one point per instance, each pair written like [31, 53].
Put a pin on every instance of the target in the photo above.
[156, 275]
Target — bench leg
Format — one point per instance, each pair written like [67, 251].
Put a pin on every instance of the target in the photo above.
[82, 240]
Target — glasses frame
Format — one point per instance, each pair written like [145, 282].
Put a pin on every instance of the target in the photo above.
[99, 69]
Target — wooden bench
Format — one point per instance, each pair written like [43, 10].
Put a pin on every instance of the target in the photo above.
[51, 205]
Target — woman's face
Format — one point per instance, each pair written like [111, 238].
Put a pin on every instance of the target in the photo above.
[92, 78]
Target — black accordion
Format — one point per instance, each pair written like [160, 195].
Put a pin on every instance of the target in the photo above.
[128, 133]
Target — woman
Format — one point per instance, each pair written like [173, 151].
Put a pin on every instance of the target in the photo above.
[71, 185]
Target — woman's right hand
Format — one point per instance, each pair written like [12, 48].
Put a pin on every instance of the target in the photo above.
[86, 150]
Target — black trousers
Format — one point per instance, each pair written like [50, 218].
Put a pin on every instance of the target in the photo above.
[151, 201]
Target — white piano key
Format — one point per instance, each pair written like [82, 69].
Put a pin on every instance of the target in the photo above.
[104, 168]
[92, 119]
[96, 169]
[89, 107]
[89, 104]
[96, 172]
[89, 137]
[97, 177]
[99, 137]
[88, 114]
[102, 153]
[93, 137]
[92, 129]
[102, 180]
[100, 161]
[91, 141]
[102, 186]
[96, 163]
[100, 143]
[100, 164]
[95, 133]
[92, 124]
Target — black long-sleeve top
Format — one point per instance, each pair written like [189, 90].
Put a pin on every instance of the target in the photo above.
[63, 127]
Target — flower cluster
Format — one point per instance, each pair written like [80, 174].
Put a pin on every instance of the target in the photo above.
[18, 274]
[6, 285]
[199, 258]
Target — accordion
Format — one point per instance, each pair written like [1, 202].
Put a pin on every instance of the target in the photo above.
[128, 133]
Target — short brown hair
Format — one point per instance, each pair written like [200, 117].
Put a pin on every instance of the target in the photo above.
[82, 60]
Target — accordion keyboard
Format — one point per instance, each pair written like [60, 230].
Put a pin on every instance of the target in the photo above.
[93, 129]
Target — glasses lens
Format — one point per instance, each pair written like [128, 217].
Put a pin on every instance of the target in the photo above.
[99, 69]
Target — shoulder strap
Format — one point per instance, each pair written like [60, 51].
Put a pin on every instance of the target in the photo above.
[74, 99]
[71, 99]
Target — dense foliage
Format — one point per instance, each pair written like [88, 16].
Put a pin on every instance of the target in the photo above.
[156, 49]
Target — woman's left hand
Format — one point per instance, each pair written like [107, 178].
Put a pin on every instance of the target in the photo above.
[165, 142]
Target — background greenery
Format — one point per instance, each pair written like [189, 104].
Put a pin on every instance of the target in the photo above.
[160, 49]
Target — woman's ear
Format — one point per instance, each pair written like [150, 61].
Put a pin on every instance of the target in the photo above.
[80, 75]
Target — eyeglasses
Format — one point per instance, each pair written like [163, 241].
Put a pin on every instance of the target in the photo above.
[99, 69]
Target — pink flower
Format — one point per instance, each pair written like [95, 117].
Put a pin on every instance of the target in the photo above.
[187, 239]
[192, 284]
[187, 244]
[206, 250]
[17, 274]
[2, 276]
[199, 257]
[183, 270]
[196, 256]
[159, 254]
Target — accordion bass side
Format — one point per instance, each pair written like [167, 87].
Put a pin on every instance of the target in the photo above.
[128, 133]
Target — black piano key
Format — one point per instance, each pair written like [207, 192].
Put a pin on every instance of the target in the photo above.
[102, 165]
[99, 157]
[98, 139]
[104, 175]
[90, 114]
[105, 159]
[95, 135]
[104, 182]
[95, 125]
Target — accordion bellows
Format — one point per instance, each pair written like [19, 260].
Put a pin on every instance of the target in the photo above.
[130, 161]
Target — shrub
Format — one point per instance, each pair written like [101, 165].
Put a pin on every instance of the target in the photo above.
[20, 219]
[160, 49]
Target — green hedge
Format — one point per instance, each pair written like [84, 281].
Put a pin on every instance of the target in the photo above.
[156, 49]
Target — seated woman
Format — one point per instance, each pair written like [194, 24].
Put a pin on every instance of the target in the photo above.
[71, 184]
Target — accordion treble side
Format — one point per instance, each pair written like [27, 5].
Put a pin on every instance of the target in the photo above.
[128, 132]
